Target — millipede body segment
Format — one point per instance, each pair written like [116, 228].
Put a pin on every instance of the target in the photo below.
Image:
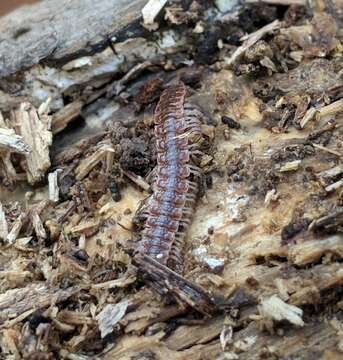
[177, 132]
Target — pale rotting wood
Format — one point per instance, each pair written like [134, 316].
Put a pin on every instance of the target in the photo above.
[35, 131]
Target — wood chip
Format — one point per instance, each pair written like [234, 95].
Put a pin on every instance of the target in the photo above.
[44, 107]
[38, 226]
[110, 316]
[151, 10]
[127, 279]
[90, 162]
[323, 148]
[270, 197]
[290, 166]
[276, 309]
[63, 117]
[3, 224]
[16, 227]
[311, 251]
[331, 173]
[36, 133]
[85, 226]
[329, 221]
[335, 186]
[309, 115]
[53, 186]
[15, 302]
[226, 336]
[10, 141]
[332, 108]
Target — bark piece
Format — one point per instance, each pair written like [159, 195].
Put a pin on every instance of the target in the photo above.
[15, 302]
[28, 37]
[165, 281]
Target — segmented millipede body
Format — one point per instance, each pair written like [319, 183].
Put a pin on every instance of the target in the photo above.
[177, 131]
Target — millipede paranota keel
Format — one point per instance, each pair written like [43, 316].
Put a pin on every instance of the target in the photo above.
[168, 211]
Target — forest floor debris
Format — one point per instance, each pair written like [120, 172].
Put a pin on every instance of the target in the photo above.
[76, 162]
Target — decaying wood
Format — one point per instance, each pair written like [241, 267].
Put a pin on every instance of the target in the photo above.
[90, 162]
[251, 39]
[10, 141]
[28, 38]
[266, 235]
[53, 186]
[35, 131]
[3, 224]
[329, 221]
[138, 180]
[78, 148]
[274, 308]
[14, 303]
[310, 251]
[63, 117]
[167, 281]
[16, 227]
[151, 10]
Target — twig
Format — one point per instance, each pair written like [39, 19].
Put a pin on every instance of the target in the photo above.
[119, 85]
[138, 180]
[332, 108]
[251, 39]
[309, 115]
[334, 186]
[279, 2]
[326, 149]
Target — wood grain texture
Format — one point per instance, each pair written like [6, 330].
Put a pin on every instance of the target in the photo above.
[60, 30]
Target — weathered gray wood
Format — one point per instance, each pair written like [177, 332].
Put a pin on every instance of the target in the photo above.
[59, 30]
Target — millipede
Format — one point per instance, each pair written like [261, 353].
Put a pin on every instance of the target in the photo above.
[177, 128]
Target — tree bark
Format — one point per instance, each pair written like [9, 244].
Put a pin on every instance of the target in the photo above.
[60, 30]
